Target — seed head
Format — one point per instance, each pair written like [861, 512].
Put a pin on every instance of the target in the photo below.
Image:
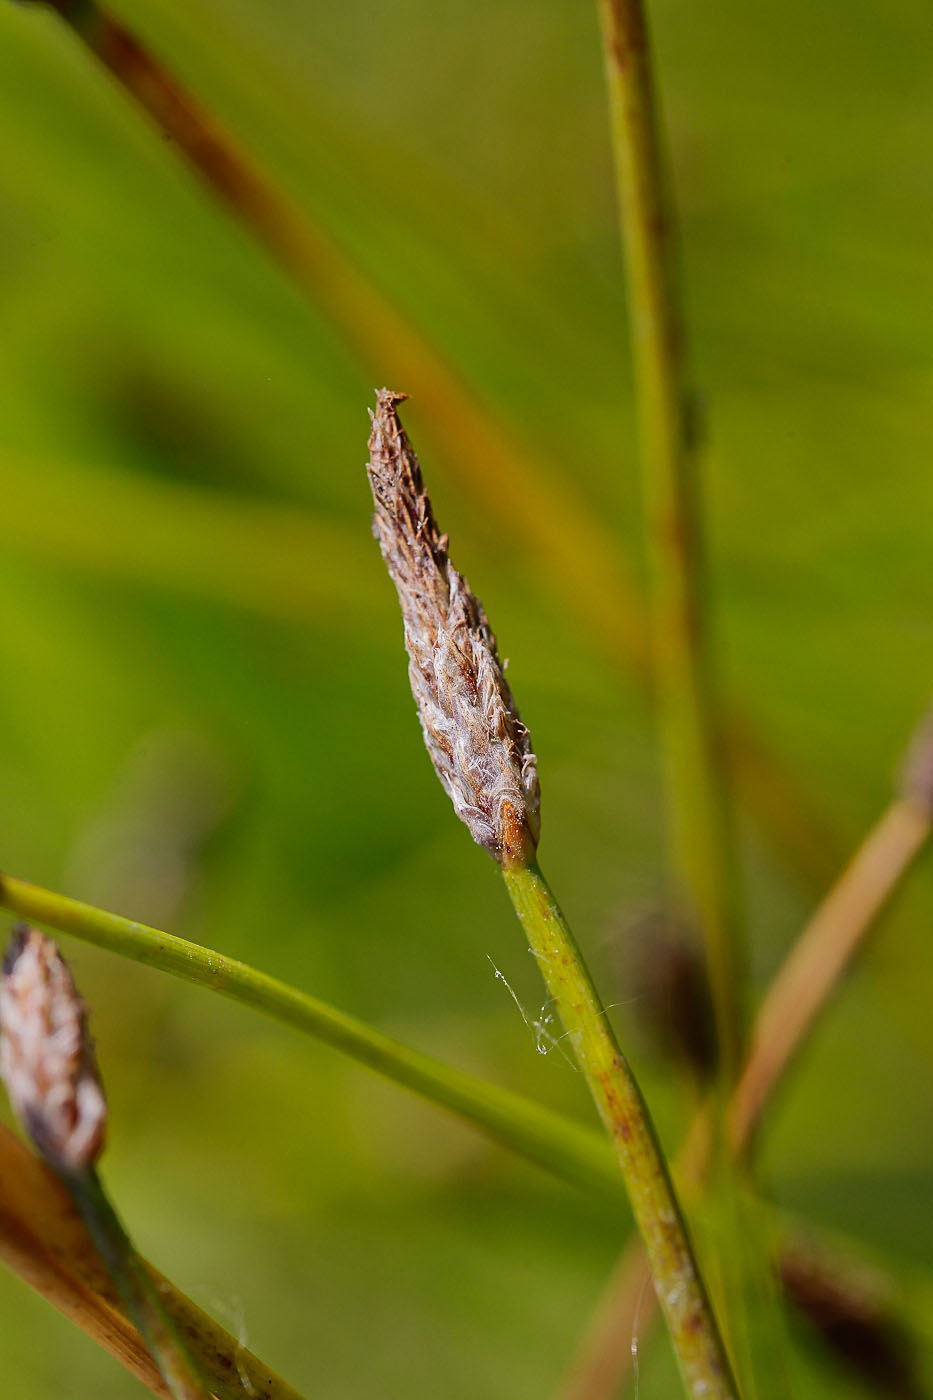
[46, 1056]
[480, 749]
[853, 1311]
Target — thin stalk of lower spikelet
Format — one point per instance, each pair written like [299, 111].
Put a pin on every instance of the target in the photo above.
[482, 753]
[48, 1065]
[137, 1290]
[689, 714]
[798, 995]
[45, 1241]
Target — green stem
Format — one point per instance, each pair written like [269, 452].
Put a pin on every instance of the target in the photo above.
[136, 1287]
[689, 718]
[678, 1284]
[546, 1138]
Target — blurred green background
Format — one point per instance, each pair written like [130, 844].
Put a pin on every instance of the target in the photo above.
[196, 733]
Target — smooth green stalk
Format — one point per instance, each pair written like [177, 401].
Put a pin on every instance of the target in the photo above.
[136, 1287]
[689, 717]
[678, 1284]
[546, 1138]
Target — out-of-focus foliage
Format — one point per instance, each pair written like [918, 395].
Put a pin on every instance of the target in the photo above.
[196, 732]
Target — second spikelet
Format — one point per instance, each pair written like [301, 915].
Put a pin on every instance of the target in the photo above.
[480, 749]
[46, 1057]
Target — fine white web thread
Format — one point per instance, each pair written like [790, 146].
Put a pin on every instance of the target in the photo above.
[540, 1027]
[545, 1040]
[232, 1312]
[637, 1319]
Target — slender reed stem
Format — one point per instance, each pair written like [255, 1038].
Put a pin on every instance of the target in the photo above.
[543, 1137]
[582, 564]
[136, 1288]
[690, 721]
[820, 956]
[798, 995]
[678, 1284]
[44, 1240]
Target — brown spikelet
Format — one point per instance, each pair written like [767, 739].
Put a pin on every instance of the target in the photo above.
[46, 1055]
[850, 1309]
[480, 749]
